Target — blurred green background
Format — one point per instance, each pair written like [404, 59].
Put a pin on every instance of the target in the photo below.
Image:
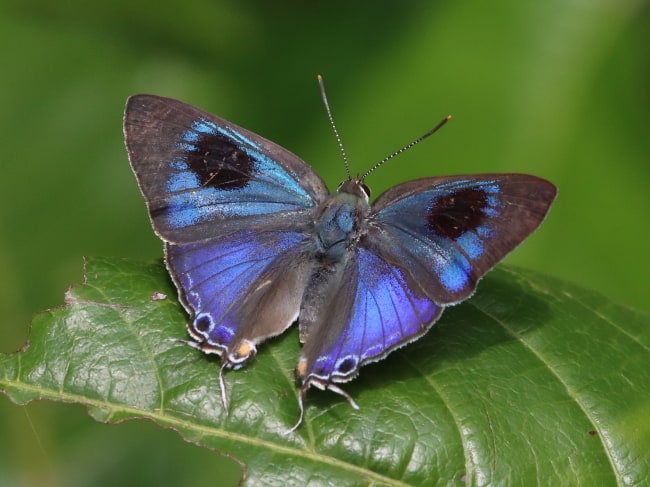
[557, 88]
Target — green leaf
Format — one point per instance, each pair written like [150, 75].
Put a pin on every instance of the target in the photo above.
[532, 381]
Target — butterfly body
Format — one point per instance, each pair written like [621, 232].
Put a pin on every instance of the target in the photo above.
[339, 224]
[254, 241]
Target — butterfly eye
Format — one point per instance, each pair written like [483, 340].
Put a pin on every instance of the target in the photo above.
[365, 189]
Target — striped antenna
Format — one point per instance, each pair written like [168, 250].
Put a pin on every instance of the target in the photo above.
[407, 146]
[336, 132]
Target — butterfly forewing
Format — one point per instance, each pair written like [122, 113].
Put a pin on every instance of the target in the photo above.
[203, 176]
[447, 232]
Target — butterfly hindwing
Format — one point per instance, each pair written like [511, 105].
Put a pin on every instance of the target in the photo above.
[374, 310]
[203, 176]
[240, 289]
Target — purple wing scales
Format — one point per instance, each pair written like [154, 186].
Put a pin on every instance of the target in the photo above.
[240, 290]
[381, 313]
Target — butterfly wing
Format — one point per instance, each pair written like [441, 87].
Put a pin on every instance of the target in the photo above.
[426, 245]
[357, 313]
[203, 176]
[234, 210]
[240, 289]
[447, 232]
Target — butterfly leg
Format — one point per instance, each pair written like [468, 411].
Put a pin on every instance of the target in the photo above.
[226, 363]
[323, 386]
[329, 386]
[338, 390]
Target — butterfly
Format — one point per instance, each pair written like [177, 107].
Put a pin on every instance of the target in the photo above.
[255, 241]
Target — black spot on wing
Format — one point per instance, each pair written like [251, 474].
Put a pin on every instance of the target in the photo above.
[219, 162]
[458, 212]
[202, 324]
[347, 365]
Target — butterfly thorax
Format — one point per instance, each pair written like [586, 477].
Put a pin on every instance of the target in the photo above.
[341, 221]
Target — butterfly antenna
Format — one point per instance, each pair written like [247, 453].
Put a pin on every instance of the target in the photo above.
[407, 146]
[336, 132]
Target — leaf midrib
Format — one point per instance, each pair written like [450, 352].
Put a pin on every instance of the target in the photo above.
[162, 419]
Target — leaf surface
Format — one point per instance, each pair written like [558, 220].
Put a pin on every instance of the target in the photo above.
[533, 380]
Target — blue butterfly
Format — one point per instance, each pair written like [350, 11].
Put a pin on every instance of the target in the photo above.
[254, 241]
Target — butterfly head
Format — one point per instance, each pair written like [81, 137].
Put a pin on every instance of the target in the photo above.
[355, 187]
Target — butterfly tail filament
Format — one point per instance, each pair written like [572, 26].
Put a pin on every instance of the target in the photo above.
[225, 400]
[320, 385]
